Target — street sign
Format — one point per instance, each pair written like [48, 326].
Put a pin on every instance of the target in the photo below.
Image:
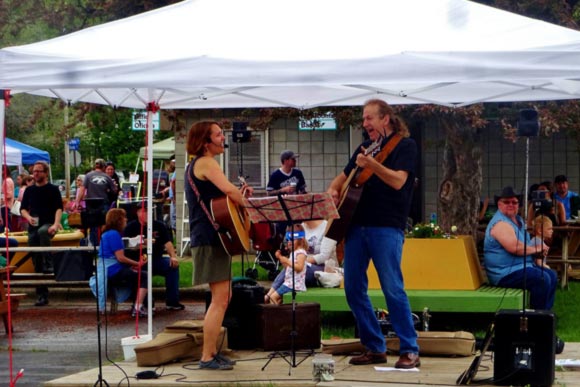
[75, 158]
[73, 144]
[140, 121]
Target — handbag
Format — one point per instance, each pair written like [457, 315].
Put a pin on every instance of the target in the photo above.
[15, 210]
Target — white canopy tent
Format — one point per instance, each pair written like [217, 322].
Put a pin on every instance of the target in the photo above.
[301, 53]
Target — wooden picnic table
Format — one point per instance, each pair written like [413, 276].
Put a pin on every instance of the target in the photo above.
[22, 259]
[570, 235]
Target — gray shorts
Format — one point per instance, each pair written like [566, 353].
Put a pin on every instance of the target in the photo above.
[210, 264]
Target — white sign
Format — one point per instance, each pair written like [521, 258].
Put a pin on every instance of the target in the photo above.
[326, 123]
[75, 158]
[140, 121]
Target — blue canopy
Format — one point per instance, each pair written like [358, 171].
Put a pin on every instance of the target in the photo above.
[30, 154]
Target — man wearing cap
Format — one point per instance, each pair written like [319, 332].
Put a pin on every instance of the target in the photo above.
[508, 250]
[563, 195]
[167, 267]
[98, 185]
[287, 179]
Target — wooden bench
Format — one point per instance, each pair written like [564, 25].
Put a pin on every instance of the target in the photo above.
[486, 299]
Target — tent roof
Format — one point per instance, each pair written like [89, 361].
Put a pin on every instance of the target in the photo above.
[303, 53]
[29, 154]
[12, 154]
[162, 150]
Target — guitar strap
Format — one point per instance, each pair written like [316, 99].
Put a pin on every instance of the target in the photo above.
[201, 203]
[380, 157]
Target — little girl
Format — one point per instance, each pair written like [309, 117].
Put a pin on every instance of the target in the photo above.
[300, 246]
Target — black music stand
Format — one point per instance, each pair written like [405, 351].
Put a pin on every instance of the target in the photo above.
[292, 209]
[93, 217]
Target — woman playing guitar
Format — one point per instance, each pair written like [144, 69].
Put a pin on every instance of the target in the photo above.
[204, 181]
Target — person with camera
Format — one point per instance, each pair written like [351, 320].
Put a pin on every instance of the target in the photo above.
[541, 203]
[508, 253]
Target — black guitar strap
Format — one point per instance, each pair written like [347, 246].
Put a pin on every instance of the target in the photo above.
[201, 203]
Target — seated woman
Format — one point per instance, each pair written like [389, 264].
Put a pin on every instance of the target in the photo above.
[508, 254]
[119, 269]
[294, 263]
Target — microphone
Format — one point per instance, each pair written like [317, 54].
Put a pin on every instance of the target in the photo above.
[226, 146]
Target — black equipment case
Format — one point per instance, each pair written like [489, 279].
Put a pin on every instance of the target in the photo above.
[275, 326]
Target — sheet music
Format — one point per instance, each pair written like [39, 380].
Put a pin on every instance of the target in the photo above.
[301, 207]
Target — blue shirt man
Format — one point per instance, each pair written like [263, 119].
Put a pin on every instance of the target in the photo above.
[563, 195]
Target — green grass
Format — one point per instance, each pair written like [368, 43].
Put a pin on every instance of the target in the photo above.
[186, 268]
[566, 308]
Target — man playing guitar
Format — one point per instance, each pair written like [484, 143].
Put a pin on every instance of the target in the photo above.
[376, 232]
[205, 181]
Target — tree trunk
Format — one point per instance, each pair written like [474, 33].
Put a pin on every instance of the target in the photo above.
[460, 190]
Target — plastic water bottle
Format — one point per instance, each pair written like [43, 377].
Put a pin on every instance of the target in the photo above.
[433, 219]
[64, 221]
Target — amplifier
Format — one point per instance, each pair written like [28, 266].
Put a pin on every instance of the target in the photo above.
[525, 348]
[275, 326]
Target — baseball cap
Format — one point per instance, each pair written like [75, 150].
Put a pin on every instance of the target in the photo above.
[560, 179]
[100, 163]
[287, 155]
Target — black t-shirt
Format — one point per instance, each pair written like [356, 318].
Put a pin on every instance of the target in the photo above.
[279, 179]
[201, 230]
[160, 234]
[42, 201]
[381, 205]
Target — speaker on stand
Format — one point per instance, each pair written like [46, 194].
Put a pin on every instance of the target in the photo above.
[525, 340]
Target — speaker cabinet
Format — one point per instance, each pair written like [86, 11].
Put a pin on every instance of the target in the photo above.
[525, 348]
[528, 123]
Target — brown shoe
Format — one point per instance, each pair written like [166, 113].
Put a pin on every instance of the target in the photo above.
[408, 360]
[369, 358]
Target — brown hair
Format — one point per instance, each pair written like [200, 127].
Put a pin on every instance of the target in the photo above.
[114, 219]
[199, 135]
[395, 121]
[44, 165]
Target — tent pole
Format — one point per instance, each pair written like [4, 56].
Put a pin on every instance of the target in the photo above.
[66, 154]
[3, 95]
[149, 156]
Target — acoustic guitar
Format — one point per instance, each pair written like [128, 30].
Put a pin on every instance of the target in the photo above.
[350, 194]
[352, 188]
[234, 222]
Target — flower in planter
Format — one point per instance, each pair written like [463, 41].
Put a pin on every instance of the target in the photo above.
[430, 231]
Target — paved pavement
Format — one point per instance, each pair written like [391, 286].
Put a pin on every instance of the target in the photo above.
[61, 339]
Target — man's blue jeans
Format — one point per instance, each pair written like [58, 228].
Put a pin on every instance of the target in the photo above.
[161, 267]
[541, 282]
[385, 246]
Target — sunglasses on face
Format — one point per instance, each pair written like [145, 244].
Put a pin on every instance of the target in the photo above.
[512, 202]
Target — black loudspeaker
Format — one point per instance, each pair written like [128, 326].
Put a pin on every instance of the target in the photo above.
[525, 348]
[529, 123]
[242, 313]
[240, 132]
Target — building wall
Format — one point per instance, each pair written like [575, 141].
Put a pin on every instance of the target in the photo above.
[504, 163]
[324, 153]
